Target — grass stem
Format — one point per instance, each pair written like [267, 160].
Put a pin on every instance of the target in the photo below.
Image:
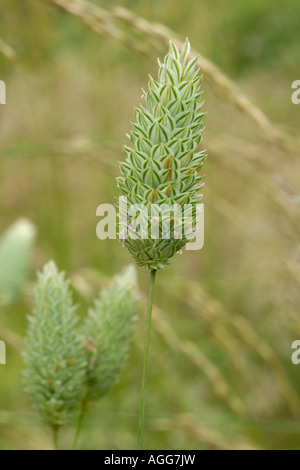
[79, 425]
[55, 437]
[146, 359]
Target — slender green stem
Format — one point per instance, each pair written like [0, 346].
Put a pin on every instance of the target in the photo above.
[79, 425]
[146, 358]
[55, 437]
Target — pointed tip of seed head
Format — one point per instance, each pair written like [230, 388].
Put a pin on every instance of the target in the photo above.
[185, 52]
[50, 269]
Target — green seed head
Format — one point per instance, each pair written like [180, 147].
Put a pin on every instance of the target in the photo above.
[108, 333]
[55, 358]
[160, 173]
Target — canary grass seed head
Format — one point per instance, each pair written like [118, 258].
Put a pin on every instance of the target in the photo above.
[56, 357]
[108, 333]
[160, 172]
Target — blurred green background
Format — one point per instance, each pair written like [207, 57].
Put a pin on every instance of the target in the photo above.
[221, 375]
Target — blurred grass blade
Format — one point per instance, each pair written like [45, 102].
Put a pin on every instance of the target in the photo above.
[16, 248]
[7, 51]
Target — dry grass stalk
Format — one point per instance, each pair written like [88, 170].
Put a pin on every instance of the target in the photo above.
[201, 434]
[100, 21]
[12, 338]
[105, 23]
[200, 299]
[7, 51]
[190, 350]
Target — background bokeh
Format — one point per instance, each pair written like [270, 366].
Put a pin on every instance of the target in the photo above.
[221, 375]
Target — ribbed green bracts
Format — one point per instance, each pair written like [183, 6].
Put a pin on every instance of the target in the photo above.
[160, 174]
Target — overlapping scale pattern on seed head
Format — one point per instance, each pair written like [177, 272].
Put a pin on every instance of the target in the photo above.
[163, 160]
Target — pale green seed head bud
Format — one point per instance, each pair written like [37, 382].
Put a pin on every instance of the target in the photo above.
[55, 358]
[108, 333]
